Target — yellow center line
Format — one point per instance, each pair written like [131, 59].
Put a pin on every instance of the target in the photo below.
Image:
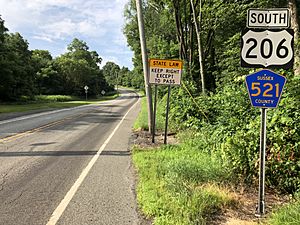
[24, 133]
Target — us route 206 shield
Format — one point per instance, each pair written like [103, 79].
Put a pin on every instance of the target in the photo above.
[265, 88]
[267, 48]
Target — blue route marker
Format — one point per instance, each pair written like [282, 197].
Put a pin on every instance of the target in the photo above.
[265, 88]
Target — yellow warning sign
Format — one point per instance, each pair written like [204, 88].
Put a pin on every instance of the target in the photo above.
[165, 72]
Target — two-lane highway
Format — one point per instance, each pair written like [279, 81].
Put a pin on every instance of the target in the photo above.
[69, 166]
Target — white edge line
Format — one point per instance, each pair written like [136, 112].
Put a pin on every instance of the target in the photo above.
[70, 194]
[52, 112]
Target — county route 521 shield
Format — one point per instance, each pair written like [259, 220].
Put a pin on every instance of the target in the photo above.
[265, 88]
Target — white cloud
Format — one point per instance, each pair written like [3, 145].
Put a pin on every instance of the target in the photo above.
[52, 21]
[109, 59]
[42, 37]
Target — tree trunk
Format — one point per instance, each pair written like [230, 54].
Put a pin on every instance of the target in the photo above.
[200, 54]
[180, 32]
[295, 27]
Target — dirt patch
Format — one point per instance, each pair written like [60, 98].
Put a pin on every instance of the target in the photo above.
[143, 139]
[243, 213]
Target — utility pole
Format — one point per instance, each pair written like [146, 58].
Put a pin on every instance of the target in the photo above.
[145, 63]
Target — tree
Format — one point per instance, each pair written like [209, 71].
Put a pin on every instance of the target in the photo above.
[111, 72]
[79, 67]
[200, 52]
[17, 77]
[40, 59]
[295, 25]
[124, 78]
[3, 31]
[49, 80]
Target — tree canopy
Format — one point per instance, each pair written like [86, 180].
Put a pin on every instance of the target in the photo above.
[25, 72]
[213, 101]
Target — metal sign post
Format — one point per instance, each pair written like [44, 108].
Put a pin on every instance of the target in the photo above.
[167, 115]
[264, 89]
[262, 153]
[154, 114]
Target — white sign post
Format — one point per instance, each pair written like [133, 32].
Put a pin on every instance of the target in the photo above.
[86, 91]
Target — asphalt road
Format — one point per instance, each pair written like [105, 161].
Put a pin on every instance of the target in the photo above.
[69, 166]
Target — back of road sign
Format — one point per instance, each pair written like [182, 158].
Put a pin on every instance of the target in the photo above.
[265, 88]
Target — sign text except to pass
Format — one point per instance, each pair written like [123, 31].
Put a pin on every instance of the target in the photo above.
[268, 18]
[165, 72]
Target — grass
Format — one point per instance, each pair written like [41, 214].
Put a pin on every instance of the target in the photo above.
[141, 122]
[180, 186]
[184, 184]
[142, 119]
[50, 102]
[286, 215]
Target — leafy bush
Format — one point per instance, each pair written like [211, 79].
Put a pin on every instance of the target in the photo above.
[54, 98]
[283, 155]
[226, 125]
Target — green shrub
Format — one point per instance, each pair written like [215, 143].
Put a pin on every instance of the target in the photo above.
[225, 124]
[54, 98]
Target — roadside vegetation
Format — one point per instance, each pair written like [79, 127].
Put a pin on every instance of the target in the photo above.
[193, 183]
[180, 185]
[212, 116]
[289, 214]
[47, 102]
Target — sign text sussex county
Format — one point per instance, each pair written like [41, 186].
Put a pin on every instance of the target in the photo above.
[265, 88]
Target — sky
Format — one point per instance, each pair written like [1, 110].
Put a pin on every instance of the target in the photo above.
[53, 24]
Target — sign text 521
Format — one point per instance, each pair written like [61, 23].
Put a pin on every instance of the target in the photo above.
[267, 89]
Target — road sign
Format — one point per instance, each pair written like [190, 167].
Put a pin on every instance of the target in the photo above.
[86, 87]
[265, 88]
[165, 72]
[103, 92]
[268, 18]
[267, 48]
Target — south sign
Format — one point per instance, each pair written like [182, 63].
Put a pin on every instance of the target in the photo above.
[268, 18]
[265, 88]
